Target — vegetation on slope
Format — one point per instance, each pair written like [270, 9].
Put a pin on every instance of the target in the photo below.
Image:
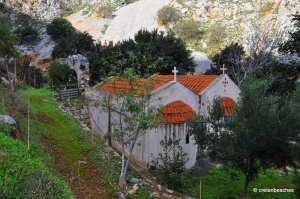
[77, 156]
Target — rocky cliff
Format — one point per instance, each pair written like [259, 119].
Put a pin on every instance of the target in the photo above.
[223, 21]
[44, 9]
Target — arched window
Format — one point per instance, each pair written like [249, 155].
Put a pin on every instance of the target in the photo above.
[187, 138]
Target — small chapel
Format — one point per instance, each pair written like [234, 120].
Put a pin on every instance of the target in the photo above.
[181, 97]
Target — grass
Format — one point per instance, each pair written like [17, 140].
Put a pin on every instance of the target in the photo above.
[227, 183]
[50, 126]
[31, 166]
[67, 11]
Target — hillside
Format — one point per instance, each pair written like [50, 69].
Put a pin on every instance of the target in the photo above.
[221, 21]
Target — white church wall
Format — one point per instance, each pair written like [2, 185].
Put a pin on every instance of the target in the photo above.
[223, 86]
[151, 143]
[150, 140]
[174, 91]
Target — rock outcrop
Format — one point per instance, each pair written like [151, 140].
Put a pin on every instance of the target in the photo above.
[236, 19]
[44, 9]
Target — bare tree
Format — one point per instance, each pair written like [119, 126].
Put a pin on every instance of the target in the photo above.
[259, 51]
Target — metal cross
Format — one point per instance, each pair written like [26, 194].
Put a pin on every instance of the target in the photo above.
[175, 71]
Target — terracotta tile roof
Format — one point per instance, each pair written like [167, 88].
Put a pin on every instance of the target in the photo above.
[195, 83]
[176, 112]
[116, 84]
[227, 105]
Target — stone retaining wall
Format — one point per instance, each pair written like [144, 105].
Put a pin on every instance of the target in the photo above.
[79, 110]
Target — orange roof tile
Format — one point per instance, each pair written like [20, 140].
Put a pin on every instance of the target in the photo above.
[176, 112]
[195, 83]
[227, 105]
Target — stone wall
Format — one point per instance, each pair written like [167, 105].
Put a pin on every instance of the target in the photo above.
[80, 64]
[79, 110]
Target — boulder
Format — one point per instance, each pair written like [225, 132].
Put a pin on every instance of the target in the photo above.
[7, 120]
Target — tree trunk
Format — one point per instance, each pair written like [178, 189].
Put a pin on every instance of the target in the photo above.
[9, 80]
[123, 173]
[246, 186]
[122, 176]
[15, 80]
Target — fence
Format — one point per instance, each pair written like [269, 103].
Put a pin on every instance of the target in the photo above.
[68, 91]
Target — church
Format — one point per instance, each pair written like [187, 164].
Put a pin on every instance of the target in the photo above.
[181, 97]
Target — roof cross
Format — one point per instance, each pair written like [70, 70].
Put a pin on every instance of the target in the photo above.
[223, 69]
[175, 71]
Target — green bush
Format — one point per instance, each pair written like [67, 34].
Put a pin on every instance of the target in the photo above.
[60, 28]
[59, 73]
[41, 184]
[2, 7]
[168, 14]
[105, 10]
[24, 18]
[27, 34]
[22, 174]
[171, 162]
[188, 30]
[78, 43]
[217, 32]
[149, 53]
[6, 128]
[36, 79]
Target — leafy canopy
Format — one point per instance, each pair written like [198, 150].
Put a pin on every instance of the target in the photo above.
[168, 14]
[26, 34]
[60, 28]
[149, 53]
[59, 73]
[7, 39]
[292, 45]
[78, 43]
[258, 136]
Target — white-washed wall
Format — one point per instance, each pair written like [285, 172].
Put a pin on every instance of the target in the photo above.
[216, 89]
[150, 140]
[173, 91]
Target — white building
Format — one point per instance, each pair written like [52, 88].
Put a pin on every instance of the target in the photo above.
[181, 97]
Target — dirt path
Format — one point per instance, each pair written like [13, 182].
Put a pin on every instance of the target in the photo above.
[82, 175]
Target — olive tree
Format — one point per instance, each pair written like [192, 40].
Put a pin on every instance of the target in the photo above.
[260, 133]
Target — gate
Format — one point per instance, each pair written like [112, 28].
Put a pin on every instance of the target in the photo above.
[68, 91]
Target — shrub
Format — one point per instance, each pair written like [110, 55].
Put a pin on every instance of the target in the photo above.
[41, 185]
[59, 73]
[171, 162]
[60, 28]
[6, 128]
[78, 43]
[24, 18]
[23, 175]
[168, 14]
[188, 30]
[105, 10]
[27, 34]
[36, 79]
[217, 32]
[2, 7]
